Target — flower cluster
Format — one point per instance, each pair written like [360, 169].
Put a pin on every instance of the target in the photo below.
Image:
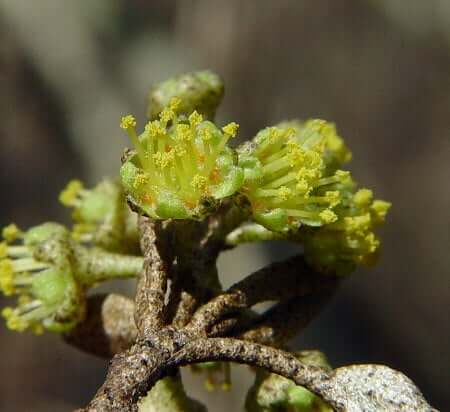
[40, 272]
[298, 191]
[50, 273]
[181, 167]
[101, 215]
[289, 170]
[350, 241]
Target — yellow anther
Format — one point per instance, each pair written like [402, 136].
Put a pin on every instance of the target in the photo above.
[184, 133]
[195, 119]
[362, 197]
[284, 193]
[231, 129]
[11, 232]
[328, 216]
[180, 149]
[163, 160]
[380, 209]
[372, 242]
[357, 224]
[342, 174]
[16, 323]
[174, 103]
[7, 277]
[128, 122]
[155, 129]
[199, 183]
[140, 180]
[69, 194]
[3, 250]
[296, 156]
[333, 197]
[302, 186]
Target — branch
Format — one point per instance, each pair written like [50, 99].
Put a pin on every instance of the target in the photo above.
[152, 285]
[286, 319]
[350, 389]
[281, 280]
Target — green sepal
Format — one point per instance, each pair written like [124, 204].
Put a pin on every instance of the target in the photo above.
[50, 286]
[170, 206]
[95, 206]
[232, 182]
[301, 398]
[38, 234]
[275, 219]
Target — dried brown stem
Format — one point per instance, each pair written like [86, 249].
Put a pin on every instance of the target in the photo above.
[286, 319]
[150, 310]
[278, 281]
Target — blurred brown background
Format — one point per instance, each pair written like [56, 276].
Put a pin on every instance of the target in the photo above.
[379, 69]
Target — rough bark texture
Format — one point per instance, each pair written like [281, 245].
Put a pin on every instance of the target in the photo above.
[199, 332]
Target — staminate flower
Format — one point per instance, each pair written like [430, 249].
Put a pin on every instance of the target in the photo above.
[349, 241]
[50, 273]
[180, 168]
[39, 271]
[101, 215]
[336, 153]
[287, 177]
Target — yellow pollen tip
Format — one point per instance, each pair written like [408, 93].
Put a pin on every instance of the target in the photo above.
[3, 250]
[342, 174]
[328, 216]
[363, 197]
[70, 192]
[284, 193]
[154, 129]
[11, 232]
[231, 129]
[6, 277]
[199, 182]
[140, 180]
[195, 119]
[127, 122]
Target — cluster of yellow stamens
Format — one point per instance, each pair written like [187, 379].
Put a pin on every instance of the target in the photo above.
[340, 246]
[40, 286]
[286, 175]
[178, 163]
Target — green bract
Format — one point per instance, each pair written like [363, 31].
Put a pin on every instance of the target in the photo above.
[201, 91]
[180, 169]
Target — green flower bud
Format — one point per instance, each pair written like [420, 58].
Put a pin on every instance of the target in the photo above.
[181, 168]
[199, 91]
